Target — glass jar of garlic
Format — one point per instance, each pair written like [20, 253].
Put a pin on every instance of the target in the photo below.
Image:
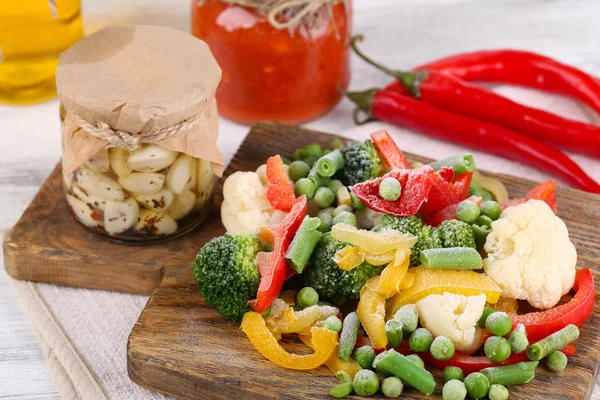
[140, 160]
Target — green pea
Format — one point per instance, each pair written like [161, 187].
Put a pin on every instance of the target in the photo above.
[392, 387]
[393, 330]
[341, 390]
[365, 383]
[345, 217]
[481, 234]
[491, 209]
[357, 205]
[334, 185]
[483, 220]
[497, 348]
[454, 390]
[340, 209]
[333, 323]
[306, 187]
[556, 361]
[323, 197]
[390, 189]
[420, 340]
[498, 392]
[298, 170]
[310, 161]
[518, 339]
[498, 323]
[343, 376]
[336, 144]
[442, 348]
[409, 316]
[451, 373]
[477, 385]
[364, 356]
[326, 222]
[486, 313]
[467, 211]
[416, 359]
[307, 297]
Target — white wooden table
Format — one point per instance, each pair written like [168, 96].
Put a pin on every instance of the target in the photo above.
[400, 33]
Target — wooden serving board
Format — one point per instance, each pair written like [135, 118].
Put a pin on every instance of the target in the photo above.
[182, 347]
[48, 245]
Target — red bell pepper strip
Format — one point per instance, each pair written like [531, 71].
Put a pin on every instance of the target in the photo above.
[416, 185]
[446, 173]
[541, 324]
[421, 117]
[444, 193]
[272, 265]
[545, 191]
[389, 150]
[449, 212]
[522, 68]
[280, 192]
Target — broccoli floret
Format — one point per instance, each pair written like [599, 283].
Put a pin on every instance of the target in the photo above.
[324, 275]
[454, 233]
[226, 273]
[427, 237]
[361, 163]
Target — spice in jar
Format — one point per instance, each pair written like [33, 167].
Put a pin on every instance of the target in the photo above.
[140, 125]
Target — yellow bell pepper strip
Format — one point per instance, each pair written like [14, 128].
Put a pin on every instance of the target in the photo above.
[380, 259]
[349, 258]
[335, 363]
[437, 281]
[292, 321]
[408, 281]
[373, 242]
[371, 313]
[324, 341]
[509, 306]
[391, 277]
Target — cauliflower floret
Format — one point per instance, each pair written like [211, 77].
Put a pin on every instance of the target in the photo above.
[530, 255]
[245, 207]
[454, 316]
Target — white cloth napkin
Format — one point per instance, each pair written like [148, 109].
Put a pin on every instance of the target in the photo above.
[84, 332]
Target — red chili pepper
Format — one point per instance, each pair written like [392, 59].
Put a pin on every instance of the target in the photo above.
[444, 193]
[545, 191]
[453, 94]
[449, 212]
[419, 116]
[280, 192]
[272, 265]
[522, 68]
[543, 323]
[416, 185]
[389, 151]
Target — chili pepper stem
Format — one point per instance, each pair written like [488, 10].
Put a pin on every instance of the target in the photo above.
[410, 80]
[364, 102]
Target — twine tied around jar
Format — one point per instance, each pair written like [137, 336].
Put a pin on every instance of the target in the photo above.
[131, 141]
[290, 14]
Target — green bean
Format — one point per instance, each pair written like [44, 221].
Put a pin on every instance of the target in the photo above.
[460, 164]
[409, 316]
[498, 392]
[343, 376]
[393, 330]
[416, 359]
[477, 385]
[392, 387]
[317, 179]
[476, 190]
[307, 297]
[442, 348]
[330, 163]
[298, 170]
[357, 205]
[518, 339]
[306, 187]
[497, 348]
[507, 375]
[454, 390]
[420, 340]
[301, 248]
[498, 323]
[332, 323]
[451, 258]
[491, 209]
[348, 336]
[481, 234]
[326, 222]
[395, 363]
[345, 217]
[323, 197]
[451, 373]
[365, 383]
[483, 220]
[552, 343]
[467, 211]
[340, 209]
[390, 189]
[334, 185]
[556, 361]
[486, 313]
[364, 356]
[379, 370]
[341, 390]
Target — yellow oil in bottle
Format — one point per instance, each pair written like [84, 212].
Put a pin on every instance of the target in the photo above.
[33, 33]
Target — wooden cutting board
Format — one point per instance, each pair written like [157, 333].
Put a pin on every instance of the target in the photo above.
[182, 347]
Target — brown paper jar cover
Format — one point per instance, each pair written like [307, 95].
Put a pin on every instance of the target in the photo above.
[137, 80]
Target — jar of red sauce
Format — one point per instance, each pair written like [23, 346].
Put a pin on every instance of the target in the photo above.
[274, 68]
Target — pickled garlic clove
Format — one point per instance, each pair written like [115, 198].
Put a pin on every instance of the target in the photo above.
[143, 182]
[182, 174]
[155, 223]
[118, 161]
[119, 216]
[205, 176]
[83, 212]
[151, 158]
[182, 205]
[92, 201]
[98, 184]
[158, 201]
[99, 162]
[68, 180]
[205, 196]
